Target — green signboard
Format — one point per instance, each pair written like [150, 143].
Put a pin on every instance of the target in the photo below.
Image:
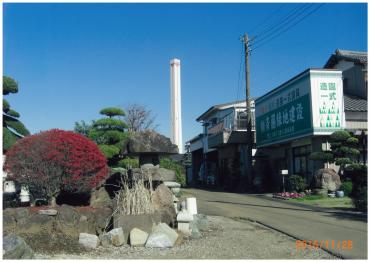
[293, 118]
[309, 104]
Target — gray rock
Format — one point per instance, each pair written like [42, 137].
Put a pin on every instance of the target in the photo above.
[9, 224]
[163, 204]
[128, 222]
[102, 218]
[167, 175]
[200, 222]
[48, 212]
[14, 247]
[327, 178]
[68, 215]
[150, 142]
[195, 233]
[21, 214]
[175, 190]
[165, 229]
[105, 240]
[117, 237]
[88, 240]
[138, 237]
[158, 239]
[100, 198]
[171, 184]
[36, 224]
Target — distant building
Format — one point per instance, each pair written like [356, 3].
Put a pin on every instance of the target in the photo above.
[219, 153]
[353, 65]
[297, 118]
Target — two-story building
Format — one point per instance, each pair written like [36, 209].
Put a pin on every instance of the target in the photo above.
[219, 153]
[296, 118]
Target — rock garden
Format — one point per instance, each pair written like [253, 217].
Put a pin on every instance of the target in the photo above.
[109, 207]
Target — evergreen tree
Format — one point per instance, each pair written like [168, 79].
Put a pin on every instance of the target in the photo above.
[13, 129]
[344, 151]
[109, 133]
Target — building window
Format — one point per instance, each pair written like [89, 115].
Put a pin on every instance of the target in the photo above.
[301, 162]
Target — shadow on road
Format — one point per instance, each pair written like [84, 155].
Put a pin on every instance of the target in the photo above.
[340, 215]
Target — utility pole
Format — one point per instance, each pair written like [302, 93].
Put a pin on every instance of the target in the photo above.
[249, 113]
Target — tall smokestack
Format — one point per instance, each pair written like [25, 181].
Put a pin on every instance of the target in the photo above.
[176, 127]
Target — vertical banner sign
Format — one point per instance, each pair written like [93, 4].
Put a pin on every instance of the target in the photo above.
[327, 101]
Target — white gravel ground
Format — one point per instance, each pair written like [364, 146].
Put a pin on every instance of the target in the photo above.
[225, 239]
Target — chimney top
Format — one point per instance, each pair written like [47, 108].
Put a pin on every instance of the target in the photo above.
[175, 61]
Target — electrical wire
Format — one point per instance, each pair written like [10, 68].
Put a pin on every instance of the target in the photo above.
[267, 19]
[280, 27]
[286, 29]
[284, 18]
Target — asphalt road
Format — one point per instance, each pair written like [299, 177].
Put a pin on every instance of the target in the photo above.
[301, 222]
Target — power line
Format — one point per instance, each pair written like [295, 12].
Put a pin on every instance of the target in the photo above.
[286, 29]
[280, 27]
[274, 25]
[267, 19]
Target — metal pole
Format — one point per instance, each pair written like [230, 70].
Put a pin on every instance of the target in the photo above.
[249, 113]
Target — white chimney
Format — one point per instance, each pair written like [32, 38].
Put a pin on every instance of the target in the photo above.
[176, 127]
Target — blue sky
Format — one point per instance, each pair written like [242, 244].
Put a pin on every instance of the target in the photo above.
[71, 60]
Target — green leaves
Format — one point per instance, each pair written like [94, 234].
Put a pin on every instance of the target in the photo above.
[6, 106]
[322, 156]
[13, 129]
[109, 151]
[110, 124]
[109, 133]
[112, 111]
[340, 135]
[9, 138]
[16, 125]
[9, 85]
[13, 113]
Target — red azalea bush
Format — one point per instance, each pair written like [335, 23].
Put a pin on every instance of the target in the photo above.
[55, 161]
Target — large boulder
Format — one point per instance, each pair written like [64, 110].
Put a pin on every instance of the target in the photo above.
[100, 198]
[67, 221]
[36, 224]
[163, 204]
[166, 174]
[327, 179]
[9, 223]
[14, 247]
[150, 142]
[103, 217]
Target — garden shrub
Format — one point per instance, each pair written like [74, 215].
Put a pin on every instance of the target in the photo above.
[295, 183]
[346, 187]
[358, 174]
[129, 162]
[167, 163]
[54, 161]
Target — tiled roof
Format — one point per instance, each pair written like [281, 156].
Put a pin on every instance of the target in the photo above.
[354, 56]
[353, 103]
